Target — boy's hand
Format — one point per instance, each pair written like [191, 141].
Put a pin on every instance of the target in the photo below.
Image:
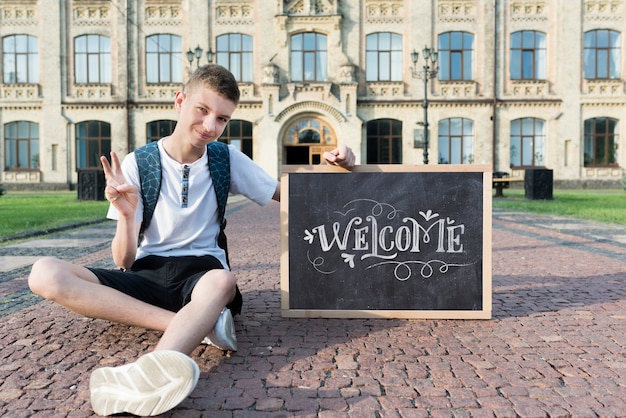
[341, 156]
[121, 195]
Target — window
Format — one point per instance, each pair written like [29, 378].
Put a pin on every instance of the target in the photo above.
[601, 135]
[164, 59]
[456, 141]
[383, 57]
[159, 129]
[308, 57]
[93, 139]
[239, 134]
[602, 54]
[528, 142]
[234, 52]
[20, 59]
[306, 139]
[456, 56]
[528, 55]
[309, 131]
[21, 146]
[384, 141]
[92, 59]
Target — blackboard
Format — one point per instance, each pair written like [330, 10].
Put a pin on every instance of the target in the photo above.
[386, 241]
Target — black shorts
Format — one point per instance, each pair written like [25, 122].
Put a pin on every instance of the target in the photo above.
[166, 282]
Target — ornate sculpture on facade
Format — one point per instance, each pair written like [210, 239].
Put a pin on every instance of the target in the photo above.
[310, 7]
[270, 73]
[347, 74]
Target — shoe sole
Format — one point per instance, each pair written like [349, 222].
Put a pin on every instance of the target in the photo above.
[154, 384]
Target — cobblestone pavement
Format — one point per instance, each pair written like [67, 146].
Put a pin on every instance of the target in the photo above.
[556, 345]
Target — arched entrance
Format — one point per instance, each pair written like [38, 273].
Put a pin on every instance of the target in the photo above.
[306, 139]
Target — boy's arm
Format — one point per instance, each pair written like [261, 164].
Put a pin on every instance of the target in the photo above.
[341, 156]
[124, 197]
[124, 244]
[276, 196]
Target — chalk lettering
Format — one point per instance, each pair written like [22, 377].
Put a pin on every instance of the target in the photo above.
[382, 235]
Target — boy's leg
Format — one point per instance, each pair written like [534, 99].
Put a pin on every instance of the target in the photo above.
[160, 380]
[76, 287]
[196, 319]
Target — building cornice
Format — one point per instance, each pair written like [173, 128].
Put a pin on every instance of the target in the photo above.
[14, 106]
[419, 103]
[529, 102]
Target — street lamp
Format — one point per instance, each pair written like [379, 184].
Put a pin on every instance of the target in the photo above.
[197, 54]
[426, 74]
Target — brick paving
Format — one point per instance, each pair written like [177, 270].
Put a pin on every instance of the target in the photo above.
[555, 347]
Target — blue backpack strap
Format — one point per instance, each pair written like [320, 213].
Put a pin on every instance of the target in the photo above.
[219, 166]
[149, 166]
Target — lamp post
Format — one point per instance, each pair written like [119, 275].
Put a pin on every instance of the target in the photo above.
[197, 54]
[428, 72]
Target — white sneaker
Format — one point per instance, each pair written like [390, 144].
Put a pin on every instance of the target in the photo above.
[223, 335]
[154, 384]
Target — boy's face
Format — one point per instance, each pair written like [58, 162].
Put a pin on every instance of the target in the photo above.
[203, 114]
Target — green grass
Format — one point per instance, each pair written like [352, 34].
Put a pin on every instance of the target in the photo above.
[22, 213]
[608, 206]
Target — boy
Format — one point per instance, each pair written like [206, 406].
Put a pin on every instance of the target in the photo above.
[175, 280]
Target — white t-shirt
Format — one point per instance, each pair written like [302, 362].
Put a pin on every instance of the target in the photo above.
[176, 230]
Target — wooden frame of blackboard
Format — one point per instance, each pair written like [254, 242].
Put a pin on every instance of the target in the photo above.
[480, 173]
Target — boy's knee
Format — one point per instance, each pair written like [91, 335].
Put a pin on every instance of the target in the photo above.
[220, 281]
[41, 280]
[226, 280]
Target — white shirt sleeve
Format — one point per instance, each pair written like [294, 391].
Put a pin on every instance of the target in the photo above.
[249, 179]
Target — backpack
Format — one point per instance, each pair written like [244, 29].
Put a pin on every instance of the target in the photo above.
[149, 165]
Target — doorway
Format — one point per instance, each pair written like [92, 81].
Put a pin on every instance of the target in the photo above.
[306, 140]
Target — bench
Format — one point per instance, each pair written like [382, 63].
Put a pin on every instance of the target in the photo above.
[502, 181]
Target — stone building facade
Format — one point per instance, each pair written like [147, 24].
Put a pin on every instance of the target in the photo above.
[516, 84]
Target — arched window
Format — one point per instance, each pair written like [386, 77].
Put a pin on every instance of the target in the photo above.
[601, 139]
[164, 59]
[158, 129]
[309, 130]
[384, 141]
[306, 139]
[383, 57]
[456, 56]
[93, 139]
[456, 141]
[20, 59]
[239, 134]
[528, 55]
[528, 142]
[234, 52]
[309, 57]
[21, 146]
[92, 59]
[602, 54]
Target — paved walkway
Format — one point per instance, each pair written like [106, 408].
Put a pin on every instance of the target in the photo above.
[556, 345]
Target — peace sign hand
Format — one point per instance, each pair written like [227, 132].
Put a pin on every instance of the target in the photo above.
[122, 195]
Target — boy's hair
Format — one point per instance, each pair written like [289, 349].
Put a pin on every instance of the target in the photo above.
[216, 78]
